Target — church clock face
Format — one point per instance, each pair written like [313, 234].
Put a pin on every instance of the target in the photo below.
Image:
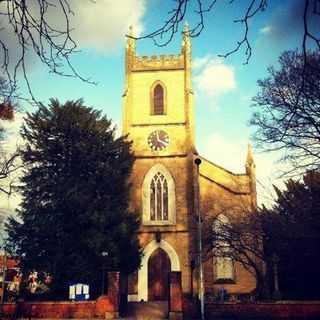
[158, 140]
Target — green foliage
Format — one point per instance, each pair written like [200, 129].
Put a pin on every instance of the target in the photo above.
[292, 229]
[296, 213]
[75, 197]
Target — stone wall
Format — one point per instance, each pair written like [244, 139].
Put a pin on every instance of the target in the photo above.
[178, 234]
[222, 192]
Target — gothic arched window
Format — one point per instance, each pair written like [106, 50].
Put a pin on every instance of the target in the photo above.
[158, 100]
[223, 264]
[158, 196]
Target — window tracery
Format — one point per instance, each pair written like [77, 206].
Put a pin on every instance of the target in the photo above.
[158, 196]
[223, 264]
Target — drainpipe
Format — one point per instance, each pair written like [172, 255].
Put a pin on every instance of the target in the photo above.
[197, 161]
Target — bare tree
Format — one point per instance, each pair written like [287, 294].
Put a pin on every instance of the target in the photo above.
[240, 238]
[29, 28]
[287, 110]
[8, 165]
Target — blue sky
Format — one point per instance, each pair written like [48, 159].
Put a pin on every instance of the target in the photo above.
[223, 87]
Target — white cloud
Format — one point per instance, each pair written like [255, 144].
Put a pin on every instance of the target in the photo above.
[12, 132]
[11, 142]
[228, 154]
[9, 205]
[102, 25]
[213, 78]
[231, 155]
[266, 30]
[199, 63]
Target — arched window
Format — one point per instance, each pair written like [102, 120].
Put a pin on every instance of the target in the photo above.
[158, 100]
[158, 196]
[223, 262]
[224, 269]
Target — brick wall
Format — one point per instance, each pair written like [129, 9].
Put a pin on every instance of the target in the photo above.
[62, 309]
[106, 307]
[281, 310]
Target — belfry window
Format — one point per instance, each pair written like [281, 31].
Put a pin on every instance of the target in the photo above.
[158, 100]
[159, 198]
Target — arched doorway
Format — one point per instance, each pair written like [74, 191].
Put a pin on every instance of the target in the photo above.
[149, 249]
[159, 267]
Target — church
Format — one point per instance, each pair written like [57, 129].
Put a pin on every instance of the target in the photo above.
[168, 182]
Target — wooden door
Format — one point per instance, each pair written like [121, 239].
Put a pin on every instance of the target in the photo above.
[158, 275]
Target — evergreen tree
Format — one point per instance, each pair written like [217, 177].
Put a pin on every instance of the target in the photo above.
[75, 198]
[293, 234]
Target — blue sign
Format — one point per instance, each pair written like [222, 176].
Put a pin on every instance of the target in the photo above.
[79, 292]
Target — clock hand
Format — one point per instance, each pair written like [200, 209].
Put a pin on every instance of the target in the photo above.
[163, 141]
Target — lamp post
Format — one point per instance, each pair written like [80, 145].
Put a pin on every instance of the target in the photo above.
[197, 161]
[103, 254]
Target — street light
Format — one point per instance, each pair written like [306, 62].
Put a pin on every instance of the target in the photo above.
[103, 254]
[197, 161]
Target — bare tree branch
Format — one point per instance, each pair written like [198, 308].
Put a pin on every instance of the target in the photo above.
[287, 110]
[165, 33]
[8, 165]
[35, 32]
[240, 238]
[251, 8]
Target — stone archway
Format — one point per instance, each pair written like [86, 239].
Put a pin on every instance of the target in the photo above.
[143, 271]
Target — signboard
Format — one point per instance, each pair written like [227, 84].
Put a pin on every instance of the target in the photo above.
[79, 292]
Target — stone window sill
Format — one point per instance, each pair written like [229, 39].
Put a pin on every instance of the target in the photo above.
[158, 223]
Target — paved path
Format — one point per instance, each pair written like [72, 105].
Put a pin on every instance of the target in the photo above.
[155, 310]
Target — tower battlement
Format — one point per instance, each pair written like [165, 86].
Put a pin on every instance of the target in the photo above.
[154, 62]
[159, 62]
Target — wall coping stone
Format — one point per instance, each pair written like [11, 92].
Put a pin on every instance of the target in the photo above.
[294, 302]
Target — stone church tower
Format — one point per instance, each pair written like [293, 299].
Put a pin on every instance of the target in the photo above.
[158, 116]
